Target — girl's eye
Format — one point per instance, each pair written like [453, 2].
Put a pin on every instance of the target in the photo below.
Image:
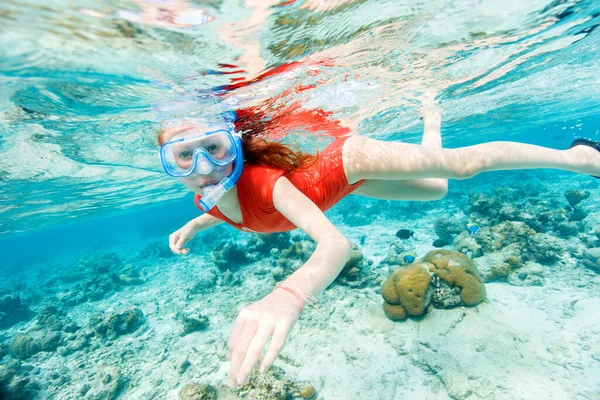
[212, 148]
[186, 154]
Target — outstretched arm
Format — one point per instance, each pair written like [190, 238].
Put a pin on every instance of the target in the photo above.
[179, 238]
[276, 314]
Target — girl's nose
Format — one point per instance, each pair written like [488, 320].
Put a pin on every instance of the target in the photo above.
[204, 167]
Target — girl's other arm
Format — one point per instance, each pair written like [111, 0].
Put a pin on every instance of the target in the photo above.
[179, 238]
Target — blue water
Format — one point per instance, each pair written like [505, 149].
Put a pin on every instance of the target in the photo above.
[83, 91]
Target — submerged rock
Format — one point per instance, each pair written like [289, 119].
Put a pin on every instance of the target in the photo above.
[591, 258]
[197, 391]
[112, 325]
[191, 324]
[13, 311]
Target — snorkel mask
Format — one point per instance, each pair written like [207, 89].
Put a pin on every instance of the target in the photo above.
[199, 151]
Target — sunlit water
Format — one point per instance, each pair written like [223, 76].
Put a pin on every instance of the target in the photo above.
[78, 81]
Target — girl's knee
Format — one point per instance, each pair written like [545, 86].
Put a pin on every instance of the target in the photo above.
[438, 189]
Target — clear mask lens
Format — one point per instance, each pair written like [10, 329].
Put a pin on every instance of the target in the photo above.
[201, 152]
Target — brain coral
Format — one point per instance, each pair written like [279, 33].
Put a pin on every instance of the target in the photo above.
[457, 270]
[406, 292]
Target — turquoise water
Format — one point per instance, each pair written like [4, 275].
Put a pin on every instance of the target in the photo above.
[86, 210]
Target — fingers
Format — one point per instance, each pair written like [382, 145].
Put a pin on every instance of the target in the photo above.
[239, 351]
[254, 351]
[238, 326]
[183, 239]
[279, 335]
[176, 242]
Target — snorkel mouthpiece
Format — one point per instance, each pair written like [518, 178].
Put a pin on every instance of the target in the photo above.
[213, 193]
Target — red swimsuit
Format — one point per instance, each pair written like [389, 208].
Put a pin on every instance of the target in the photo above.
[325, 184]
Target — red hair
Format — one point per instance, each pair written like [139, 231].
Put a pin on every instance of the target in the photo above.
[273, 154]
[259, 151]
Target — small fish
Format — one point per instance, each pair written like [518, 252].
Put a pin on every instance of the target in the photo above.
[473, 229]
[405, 234]
[408, 258]
[439, 243]
[362, 240]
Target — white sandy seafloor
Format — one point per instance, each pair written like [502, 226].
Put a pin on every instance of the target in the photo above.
[523, 342]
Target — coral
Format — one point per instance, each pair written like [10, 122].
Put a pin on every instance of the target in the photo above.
[574, 197]
[94, 289]
[467, 244]
[13, 311]
[406, 292]
[192, 324]
[447, 228]
[197, 391]
[90, 265]
[483, 207]
[457, 271]
[155, 251]
[307, 392]
[531, 274]
[229, 256]
[591, 258]
[110, 385]
[23, 346]
[356, 272]
[270, 385]
[3, 350]
[129, 277]
[112, 325]
[501, 235]
[205, 283]
[544, 248]
[263, 244]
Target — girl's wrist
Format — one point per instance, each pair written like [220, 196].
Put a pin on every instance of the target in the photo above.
[300, 295]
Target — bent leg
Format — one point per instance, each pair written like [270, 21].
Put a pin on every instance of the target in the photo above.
[410, 189]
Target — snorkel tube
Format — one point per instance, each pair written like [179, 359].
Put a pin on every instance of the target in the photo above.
[212, 193]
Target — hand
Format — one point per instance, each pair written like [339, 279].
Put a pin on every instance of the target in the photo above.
[274, 315]
[181, 236]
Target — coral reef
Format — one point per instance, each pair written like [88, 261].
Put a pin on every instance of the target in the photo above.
[110, 384]
[448, 228]
[114, 324]
[191, 324]
[468, 245]
[591, 258]
[444, 278]
[574, 197]
[356, 272]
[129, 277]
[229, 256]
[205, 282]
[544, 248]
[499, 236]
[155, 250]
[13, 311]
[197, 391]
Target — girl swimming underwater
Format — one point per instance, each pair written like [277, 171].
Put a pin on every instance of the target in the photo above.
[260, 186]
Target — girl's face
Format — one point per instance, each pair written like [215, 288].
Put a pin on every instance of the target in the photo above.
[196, 181]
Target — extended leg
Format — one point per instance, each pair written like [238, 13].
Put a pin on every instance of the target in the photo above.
[366, 158]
